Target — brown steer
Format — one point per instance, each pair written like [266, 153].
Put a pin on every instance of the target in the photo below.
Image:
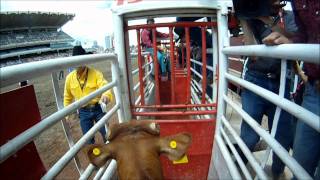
[136, 146]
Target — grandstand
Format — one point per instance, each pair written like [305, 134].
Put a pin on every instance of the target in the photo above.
[27, 36]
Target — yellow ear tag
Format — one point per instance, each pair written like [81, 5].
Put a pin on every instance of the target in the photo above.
[183, 160]
[96, 151]
[173, 144]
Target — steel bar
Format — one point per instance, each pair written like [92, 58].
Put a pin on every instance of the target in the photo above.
[17, 73]
[195, 83]
[141, 74]
[196, 73]
[173, 96]
[204, 62]
[200, 64]
[223, 40]
[278, 109]
[282, 153]
[117, 89]
[175, 106]
[187, 35]
[245, 150]
[87, 172]
[156, 65]
[226, 155]
[174, 113]
[303, 52]
[182, 55]
[108, 174]
[236, 155]
[65, 125]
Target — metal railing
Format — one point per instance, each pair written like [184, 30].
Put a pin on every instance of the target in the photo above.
[304, 52]
[17, 73]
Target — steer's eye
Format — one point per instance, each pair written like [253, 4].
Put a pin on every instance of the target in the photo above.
[96, 151]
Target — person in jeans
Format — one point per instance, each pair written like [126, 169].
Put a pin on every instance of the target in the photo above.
[81, 82]
[306, 147]
[265, 72]
[147, 44]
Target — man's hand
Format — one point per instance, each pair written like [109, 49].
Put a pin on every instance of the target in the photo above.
[276, 38]
[105, 99]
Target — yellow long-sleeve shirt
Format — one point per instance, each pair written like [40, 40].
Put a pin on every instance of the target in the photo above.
[72, 89]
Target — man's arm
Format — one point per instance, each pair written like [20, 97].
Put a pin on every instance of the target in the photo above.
[67, 96]
[107, 96]
[162, 35]
[145, 38]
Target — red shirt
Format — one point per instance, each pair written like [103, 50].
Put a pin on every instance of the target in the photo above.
[307, 13]
[146, 37]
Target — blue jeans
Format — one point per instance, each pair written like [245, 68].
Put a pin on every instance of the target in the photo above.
[87, 119]
[256, 107]
[306, 147]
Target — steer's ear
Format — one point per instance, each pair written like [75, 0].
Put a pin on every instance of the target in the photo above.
[174, 147]
[99, 154]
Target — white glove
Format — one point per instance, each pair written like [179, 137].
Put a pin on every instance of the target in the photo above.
[103, 106]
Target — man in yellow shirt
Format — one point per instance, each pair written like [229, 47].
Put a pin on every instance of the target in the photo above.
[81, 82]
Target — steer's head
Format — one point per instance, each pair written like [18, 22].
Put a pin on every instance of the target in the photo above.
[136, 147]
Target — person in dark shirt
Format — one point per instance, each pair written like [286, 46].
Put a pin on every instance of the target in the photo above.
[265, 72]
[306, 148]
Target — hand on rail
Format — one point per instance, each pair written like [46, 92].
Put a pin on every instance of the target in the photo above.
[105, 99]
[276, 38]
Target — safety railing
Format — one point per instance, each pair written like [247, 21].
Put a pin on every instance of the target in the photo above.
[305, 52]
[18, 73]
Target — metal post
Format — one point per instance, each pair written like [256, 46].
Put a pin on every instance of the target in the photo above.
[277, 113]
[65, 125]
[223, 40]
[140, 68]
[226, 155]
[108, 174]
[117, 90]
[120, 50]
[182, 55]
[156, 64]
[187, 35]
[204, 64]
[215, 63]
[173, 96]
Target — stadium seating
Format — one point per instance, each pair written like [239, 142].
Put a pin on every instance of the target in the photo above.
[25, 38]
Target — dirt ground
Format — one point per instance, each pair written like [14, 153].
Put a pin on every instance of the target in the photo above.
[52, 143]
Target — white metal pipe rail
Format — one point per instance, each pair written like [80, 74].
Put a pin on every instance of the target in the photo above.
[21, 72]
[296, 110]
[236, 155]
[144, 66]
[200, 64]
[27, 136]
[144, 79]
[63, 161]
[292, 164]
[251, 159]
[305, 52]
[231, 165]
[110, 170]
